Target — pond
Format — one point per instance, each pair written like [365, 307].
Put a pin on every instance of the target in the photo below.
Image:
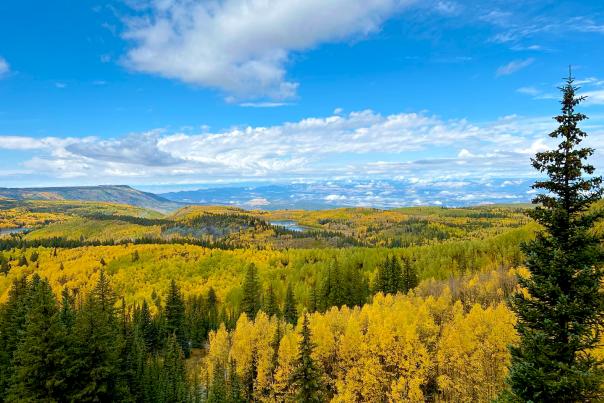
[289, 224]
[7, 231]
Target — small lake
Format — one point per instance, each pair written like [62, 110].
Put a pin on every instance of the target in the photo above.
[288, 224]
[7, 231]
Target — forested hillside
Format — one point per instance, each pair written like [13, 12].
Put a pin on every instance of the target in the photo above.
[208, 303]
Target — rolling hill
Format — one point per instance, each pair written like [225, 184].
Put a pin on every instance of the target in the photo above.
[112, 194]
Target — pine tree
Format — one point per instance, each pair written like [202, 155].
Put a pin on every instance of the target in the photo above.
[250, 304]
[212, 310]
[148, 329]
[313, 299]
[559, 319]
[40, 361]
[4, 267]
[409, 278]
[290, 313]
[12, 325]
[306, 377]
[98, 347]
[275, 343]
[175, 376]
[234, 384]
[218, 390]
[22, 261]
[271, 308]
[175, 318]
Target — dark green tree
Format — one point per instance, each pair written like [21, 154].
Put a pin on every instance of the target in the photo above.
[175, 318]
[559, 319]
[98, 347]
[306, 377]
[409, 278]
[290, 313]
[12, 324]
[174, 372]
[22, 261]
[4, 267]
[250, 304]
[41, 361]
[270, 307]
[218, 387]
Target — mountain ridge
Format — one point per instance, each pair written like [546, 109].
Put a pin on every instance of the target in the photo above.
[122, 194]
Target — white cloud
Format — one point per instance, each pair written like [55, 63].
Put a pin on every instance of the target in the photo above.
[263, 104]
[595, 97]
[334, 197]
[514, 66]
[416, 146]
[242, 47]
[4, 67]
[258, 202]
[528, 91]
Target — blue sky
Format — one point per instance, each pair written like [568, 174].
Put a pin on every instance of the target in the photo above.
[180, 92]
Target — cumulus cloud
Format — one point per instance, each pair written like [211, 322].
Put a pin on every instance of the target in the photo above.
[514, 66]
[138, 149]
[242, 47]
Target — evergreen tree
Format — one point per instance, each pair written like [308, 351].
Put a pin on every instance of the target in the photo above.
[389, 278]
[559, 319]
[4, 267]
[306, 377]
[409, 279]
[40, 361]
[212, 310]
[34, 256]
[290, 313]
[313, 298]
[250, 304]
[22, 261]
[175, 376]
[175, 318]
[98, 346]
[271, 308]
[148, 329]
[12, 324]
[135, 364]
[234, 385]
[218, 389]
[68, 313]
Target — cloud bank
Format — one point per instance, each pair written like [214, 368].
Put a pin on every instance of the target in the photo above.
[361, 144]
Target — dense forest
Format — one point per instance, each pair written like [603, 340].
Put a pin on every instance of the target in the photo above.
[104, 302]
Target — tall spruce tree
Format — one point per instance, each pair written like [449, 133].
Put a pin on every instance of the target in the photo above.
[41, 361]
[98, 345]
[559, 318]
[175, 318]
[271, 308]
[290, 313]
[306, 376]
[250, 305]
[409, 278]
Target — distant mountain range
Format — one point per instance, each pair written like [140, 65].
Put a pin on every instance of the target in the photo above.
[112, 194]
[354, 193]
[309, 196]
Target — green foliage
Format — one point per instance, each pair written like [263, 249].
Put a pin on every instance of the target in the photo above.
[175, 318]
[290, 313]
[250, 304]
[41, 361]
[306, 377]
[560, 318]
[270, 306]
